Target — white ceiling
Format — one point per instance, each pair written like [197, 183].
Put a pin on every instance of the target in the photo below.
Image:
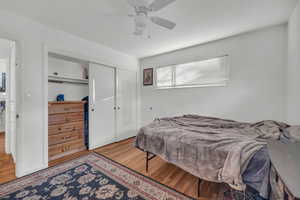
[198, 21]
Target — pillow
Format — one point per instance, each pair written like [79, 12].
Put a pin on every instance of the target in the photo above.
[294, 132]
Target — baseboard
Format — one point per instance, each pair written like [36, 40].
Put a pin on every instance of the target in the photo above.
[125, 137]
[101, 145]
[20, 173]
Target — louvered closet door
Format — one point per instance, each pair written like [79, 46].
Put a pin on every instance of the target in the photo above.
[126, 104]
[101, 105]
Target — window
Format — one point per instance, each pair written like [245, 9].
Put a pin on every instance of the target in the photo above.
[212, 72]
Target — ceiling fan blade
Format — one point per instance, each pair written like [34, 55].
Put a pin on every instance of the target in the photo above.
[156, 5]
[137, 3]
[163, 22]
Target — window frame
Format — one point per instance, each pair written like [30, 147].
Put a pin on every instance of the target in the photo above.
[173, 70]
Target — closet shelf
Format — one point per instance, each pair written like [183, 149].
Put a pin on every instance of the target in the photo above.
[65, 79]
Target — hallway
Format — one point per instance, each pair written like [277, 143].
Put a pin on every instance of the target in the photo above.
[7, 169]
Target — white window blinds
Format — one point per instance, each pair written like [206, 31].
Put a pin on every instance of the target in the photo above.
[212, 72]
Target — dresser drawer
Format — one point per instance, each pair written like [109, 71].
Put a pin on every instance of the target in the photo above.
[63, 149]
[64, 137]
[74, 127]
[65, 118]
[65, 108]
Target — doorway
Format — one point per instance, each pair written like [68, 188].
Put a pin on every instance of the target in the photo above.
[7, 103]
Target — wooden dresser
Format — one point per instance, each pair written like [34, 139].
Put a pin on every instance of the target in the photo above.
[65, 128]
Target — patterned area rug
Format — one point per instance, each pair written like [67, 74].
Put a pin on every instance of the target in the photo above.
[239, 195]
[88, 177]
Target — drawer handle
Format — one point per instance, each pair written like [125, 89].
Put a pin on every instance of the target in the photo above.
[66, 149]
[74, 129]
[59, 129]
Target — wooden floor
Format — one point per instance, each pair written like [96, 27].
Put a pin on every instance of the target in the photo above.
[123, 152]
[7, 166]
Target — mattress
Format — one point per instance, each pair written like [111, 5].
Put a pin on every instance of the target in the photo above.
[214, 149]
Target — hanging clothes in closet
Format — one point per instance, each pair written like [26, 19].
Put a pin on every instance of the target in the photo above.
[86, 121]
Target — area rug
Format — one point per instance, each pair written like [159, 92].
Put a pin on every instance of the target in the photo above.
[88, 177]
[240, 195]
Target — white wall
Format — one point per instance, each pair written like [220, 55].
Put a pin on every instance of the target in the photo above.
[30, 38]
[293, 70]
[2, 65]
[4, 48]
[255, 91]
[72, 92]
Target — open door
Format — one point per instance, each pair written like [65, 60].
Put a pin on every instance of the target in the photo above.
[101, 105]
[126, 104]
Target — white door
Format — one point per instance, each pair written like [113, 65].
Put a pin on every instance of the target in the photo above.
[126, 104]
[101, 105]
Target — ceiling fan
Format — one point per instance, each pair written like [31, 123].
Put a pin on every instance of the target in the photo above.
[143, 8]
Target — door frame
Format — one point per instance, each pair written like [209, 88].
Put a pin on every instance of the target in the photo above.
[46, 50]
[10, 100]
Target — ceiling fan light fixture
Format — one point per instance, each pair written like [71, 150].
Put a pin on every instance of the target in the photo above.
[141, 21]
[141, 18]
[138, 31]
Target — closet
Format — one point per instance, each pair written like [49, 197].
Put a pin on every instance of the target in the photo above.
[89, 105]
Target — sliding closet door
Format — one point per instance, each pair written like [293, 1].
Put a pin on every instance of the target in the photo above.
[101, 105]
[126, 104]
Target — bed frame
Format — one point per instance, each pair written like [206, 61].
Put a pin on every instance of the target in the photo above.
[150, 156]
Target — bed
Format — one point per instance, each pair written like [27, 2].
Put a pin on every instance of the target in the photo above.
[213, 149]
